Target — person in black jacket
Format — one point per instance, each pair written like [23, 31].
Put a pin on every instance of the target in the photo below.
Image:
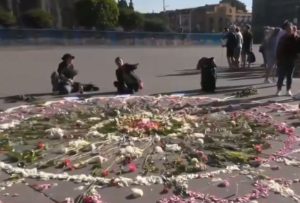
[287, 51]
[127, 81]
[247, 45]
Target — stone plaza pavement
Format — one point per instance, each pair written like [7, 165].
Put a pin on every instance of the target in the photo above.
[170, 70]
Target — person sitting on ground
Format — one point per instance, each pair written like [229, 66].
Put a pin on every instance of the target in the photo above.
[127, 81]
[63, 79]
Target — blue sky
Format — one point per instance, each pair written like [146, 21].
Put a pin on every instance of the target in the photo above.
[157, 5]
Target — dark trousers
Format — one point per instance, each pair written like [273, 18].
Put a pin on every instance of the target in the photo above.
[285, 70]
[130, 89]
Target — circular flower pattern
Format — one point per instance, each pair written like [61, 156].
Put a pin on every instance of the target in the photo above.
[142, 141]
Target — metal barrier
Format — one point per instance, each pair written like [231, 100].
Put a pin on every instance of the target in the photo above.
[82, 37]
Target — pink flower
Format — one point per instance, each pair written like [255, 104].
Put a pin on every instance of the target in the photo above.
[132, 168]
[259, 148]
[69, 165]
[105, 173]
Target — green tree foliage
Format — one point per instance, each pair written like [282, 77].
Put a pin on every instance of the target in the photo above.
[7, 19]
[236, 3]
[155, 25]
[130, 20]
[102, 14]
[85, 13]
[37, 18]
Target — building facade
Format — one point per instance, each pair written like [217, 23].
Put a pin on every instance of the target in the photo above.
[273, 13]
[208, 18]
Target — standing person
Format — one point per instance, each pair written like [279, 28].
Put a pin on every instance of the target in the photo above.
[288, 48]
[262, 47]
[270, 52]
[127, 81]
[247, 45]
[238, 48]
[231, 44]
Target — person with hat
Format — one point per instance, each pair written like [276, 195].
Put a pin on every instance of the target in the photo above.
[62, 81]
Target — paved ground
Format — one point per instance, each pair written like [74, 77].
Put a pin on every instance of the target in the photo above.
[26, 70]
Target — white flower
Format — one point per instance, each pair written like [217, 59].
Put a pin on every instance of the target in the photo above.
[156, 138]
[200, 141]
[94, 119]
[195, 161]
[197, 135]
[136, 192]
[159, 150]
[173, 148]
[94, 133]
[77, 144]
[55, 133]
[133, 151]
[80, 123]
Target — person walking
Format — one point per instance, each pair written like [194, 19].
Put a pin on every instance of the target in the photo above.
[247, 45]
[288, 48]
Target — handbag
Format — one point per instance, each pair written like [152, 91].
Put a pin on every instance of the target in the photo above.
[251, 57]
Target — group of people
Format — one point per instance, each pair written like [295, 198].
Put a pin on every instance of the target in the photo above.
[63, 79]
[280, 49]
[239, 46]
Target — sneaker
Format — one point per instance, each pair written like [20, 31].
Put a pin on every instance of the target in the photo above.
[289, 93]
[279, 93]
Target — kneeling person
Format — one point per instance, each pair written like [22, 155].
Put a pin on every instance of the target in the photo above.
[127, 81]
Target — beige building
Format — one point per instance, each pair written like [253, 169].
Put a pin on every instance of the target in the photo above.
[208, 18]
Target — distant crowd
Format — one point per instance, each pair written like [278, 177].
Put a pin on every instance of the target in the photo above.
[280, 48]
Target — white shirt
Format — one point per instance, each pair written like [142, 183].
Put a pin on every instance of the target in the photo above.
[240, 39]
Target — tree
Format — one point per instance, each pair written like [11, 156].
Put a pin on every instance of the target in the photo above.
[155, 25]
[236, 3]
[108, 13]
[7, 19]
[37, 18]
[85, 13]
[102, 14]
[122, 4]
[130, 20]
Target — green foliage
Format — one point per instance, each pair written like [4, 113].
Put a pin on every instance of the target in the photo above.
[102, 14]
[7, 19]
[155, 25]
[37, 18]
[85, 13]
[236, 3]
[130, 20]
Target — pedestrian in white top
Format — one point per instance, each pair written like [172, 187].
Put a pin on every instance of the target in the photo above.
[238, 49]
